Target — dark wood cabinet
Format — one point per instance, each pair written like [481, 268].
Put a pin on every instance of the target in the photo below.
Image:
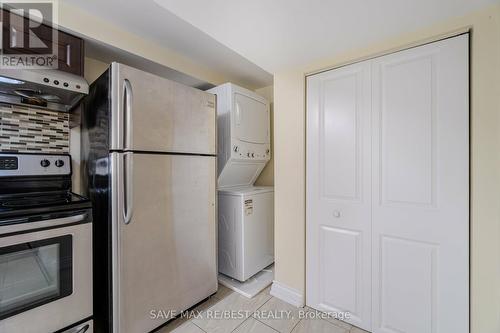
[70, 53]
[70, 49]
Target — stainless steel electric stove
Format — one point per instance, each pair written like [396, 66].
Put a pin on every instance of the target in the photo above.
[45, 247]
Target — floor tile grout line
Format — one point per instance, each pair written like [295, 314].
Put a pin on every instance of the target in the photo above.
[250, 315]
[218, 300]
[240, 324]
[298, 322]
[268, 326]
[270, 298]
[263, 304]
[192, 322]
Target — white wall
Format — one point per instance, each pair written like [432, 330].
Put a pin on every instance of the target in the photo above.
[289, 134]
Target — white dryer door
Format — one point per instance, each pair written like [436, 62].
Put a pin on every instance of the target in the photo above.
[251, 119]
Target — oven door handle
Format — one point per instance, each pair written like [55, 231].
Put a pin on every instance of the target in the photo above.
[83, 329]
[79, 329]
[18, 225]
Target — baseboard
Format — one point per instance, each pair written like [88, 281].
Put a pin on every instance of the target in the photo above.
[287, 294]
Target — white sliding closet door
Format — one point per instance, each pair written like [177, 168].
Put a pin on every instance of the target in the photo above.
[420, 189]
[339, 192]
[388, 190]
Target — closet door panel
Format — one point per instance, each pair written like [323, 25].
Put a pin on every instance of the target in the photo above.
[406, 129]
[338, 192]
[420, 193]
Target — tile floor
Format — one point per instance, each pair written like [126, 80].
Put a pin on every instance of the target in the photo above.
[253, 316]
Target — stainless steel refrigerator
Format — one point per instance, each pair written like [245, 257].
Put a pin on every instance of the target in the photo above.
[148, 155]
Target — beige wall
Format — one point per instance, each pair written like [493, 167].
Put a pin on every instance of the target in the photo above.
[93, 69]
[266, 178]
[289, 179]
[289, 130]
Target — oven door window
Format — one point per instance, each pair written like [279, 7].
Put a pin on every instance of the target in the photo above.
[35, 273]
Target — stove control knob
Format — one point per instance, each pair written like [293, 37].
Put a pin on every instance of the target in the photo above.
[44, 163]
[59, 163]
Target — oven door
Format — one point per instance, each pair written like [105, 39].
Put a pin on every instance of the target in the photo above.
[45, 278]
[35, 273]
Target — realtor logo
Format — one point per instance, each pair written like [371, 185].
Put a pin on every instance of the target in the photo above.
[29, 34]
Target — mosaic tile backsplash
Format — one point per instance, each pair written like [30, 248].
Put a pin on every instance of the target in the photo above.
[29, 130]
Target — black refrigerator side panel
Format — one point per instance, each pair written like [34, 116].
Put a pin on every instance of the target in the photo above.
[96, 183]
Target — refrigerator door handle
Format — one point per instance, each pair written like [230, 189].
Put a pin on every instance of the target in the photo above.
[127, 113]
[128, 187]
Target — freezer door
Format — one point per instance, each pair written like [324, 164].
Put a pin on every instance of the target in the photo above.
[165, 235]
[150, 113]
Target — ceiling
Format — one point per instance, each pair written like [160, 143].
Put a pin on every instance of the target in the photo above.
[148, 19]
[249, 39]
[277, 34]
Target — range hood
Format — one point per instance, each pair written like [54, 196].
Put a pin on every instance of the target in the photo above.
[42, 88]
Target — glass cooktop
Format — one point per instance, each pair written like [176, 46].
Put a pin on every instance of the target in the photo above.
[21, 204]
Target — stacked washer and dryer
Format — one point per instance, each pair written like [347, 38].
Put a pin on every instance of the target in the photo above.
[246, 212]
